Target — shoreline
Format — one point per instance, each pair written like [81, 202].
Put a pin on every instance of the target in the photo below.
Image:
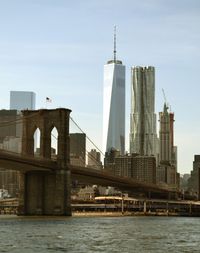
[101, 214]
[125, 214]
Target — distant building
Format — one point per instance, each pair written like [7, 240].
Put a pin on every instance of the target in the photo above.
[4, 194]
[167, 168]
[78, 149]
[86, 193]
[166, 174]
[22, 100]
[143, 137]
[94, 159]
[123, 166]
[10, 139]
[184, 182]
[109, 160]
[140, 168]
[144, 169]
[114, 105]
[166, 146]
[8, 120]
[194, 180]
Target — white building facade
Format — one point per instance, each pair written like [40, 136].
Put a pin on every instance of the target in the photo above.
[114, 106]
[143, 137]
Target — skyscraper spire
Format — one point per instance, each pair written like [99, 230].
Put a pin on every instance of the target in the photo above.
[114, 58]
[115, 44]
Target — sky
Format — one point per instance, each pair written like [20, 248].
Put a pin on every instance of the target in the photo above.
[58, 49]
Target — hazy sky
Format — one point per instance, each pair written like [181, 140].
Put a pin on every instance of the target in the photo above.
[57, 48]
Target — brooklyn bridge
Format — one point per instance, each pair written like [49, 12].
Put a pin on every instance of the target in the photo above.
[45, 182]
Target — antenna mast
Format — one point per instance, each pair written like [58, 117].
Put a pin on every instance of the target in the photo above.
[115, 51]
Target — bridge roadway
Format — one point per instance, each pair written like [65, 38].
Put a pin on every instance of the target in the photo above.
[10, 160]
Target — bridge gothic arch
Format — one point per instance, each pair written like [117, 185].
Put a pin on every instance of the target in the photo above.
[54, 142]
[36, 139]
[46, 120]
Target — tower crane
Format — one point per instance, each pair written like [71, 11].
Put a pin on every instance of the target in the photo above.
[165, 105]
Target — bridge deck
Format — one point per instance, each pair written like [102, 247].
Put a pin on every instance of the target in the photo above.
[9, 160]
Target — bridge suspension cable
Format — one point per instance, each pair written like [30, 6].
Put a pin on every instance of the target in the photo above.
[86, 136]
[87, 152]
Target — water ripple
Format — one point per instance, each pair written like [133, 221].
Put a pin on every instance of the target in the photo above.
[100, 234]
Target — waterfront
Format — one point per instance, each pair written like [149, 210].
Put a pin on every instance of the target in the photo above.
[99, 234]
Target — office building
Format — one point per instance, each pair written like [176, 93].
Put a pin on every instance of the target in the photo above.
[144, 169]
[143, 137]
[109, 160]
[114, 105]
[124, 165]
[94, 159]
[22, 100]
[140, 168]
[77, 149]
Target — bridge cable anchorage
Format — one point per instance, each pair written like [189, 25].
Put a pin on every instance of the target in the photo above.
[87, 152]
[86, 136]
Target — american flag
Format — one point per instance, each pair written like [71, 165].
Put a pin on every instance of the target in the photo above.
[48, 100]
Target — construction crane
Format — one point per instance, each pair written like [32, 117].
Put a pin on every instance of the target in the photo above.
[166, 104]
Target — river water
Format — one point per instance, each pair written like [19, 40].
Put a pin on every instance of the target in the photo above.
[99, 234]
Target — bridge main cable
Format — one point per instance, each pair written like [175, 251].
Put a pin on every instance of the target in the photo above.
[86, 136]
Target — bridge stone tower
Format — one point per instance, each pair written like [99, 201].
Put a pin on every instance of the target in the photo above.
[46, 192]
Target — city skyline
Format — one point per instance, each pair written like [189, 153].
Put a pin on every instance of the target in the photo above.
[63, 57]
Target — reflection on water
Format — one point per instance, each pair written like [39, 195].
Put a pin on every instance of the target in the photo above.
[100, 234]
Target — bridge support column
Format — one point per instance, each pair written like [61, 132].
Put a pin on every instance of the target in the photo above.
[21, 197]
[62, 197]
[145, 207]
[45, 193]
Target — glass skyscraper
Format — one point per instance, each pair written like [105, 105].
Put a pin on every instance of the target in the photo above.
[22, 100]
[114, 105]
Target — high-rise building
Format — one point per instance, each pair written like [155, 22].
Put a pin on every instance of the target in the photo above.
[114, 105]
[77, 149]
[167, 168]
[166, 135]
[144, 169]
[140, 168]
[94, 159]
[143, 138]
[22, 100]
